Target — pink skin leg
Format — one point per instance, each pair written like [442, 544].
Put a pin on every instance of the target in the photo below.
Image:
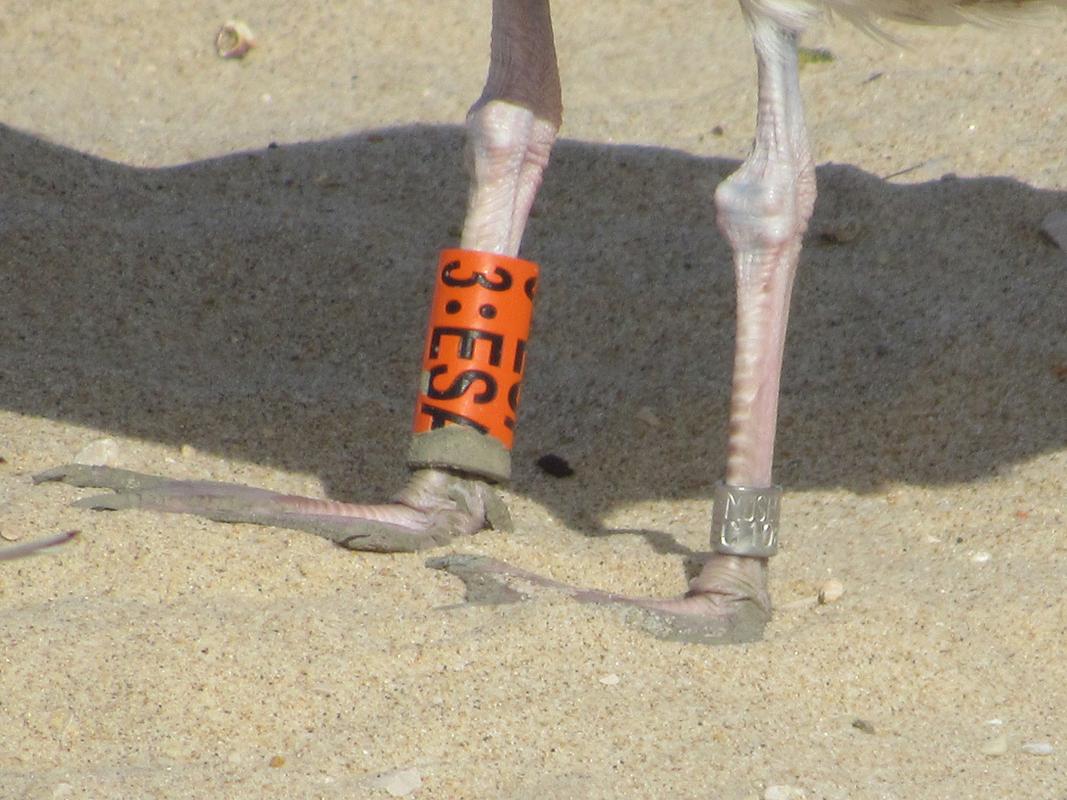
[35, 546]
[763, 210]
[434, 507]
[510, 131]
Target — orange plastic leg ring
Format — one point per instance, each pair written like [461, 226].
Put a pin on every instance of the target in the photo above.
[475, 354]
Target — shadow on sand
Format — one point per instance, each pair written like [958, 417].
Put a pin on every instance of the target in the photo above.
[269, 306]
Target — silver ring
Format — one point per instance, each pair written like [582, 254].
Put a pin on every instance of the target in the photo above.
[744, 520]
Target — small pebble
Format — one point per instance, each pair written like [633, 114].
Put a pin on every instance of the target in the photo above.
[997, 746]
[187, 451]
[863, 725]
[981, 557]
[234, 39]
[648, 416]
[99, 453]
[783, 791]
[397, 783]
[610, 680]
[556, 466]
[841, 233]
[310, 568]
[277, 761]
[831, 591]
[325, 180]
[1037, 748]
[1054, 226]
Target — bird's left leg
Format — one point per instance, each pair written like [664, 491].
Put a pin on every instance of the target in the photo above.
[510, 131]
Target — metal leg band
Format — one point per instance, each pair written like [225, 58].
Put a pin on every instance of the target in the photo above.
[744, 521]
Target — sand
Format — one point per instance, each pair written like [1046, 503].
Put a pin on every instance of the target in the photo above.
[223, 266]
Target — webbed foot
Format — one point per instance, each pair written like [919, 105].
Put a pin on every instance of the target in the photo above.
[726, 604]
[433, 508]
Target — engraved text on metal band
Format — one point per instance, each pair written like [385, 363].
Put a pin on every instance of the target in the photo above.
[744, 521]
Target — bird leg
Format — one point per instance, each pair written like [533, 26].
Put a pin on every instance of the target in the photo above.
[510, 131]
[435, 506]
[35, 546]
[763, 210]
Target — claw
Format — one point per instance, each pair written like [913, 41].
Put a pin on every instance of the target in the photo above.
[435, 507]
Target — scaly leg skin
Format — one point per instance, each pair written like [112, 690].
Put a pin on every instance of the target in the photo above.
[510, 131]
[434, 507]
[763, 210]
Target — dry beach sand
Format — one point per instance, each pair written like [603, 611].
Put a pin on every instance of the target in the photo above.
[224, 309]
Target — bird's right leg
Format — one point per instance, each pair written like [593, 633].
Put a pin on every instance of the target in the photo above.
[510, 131]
